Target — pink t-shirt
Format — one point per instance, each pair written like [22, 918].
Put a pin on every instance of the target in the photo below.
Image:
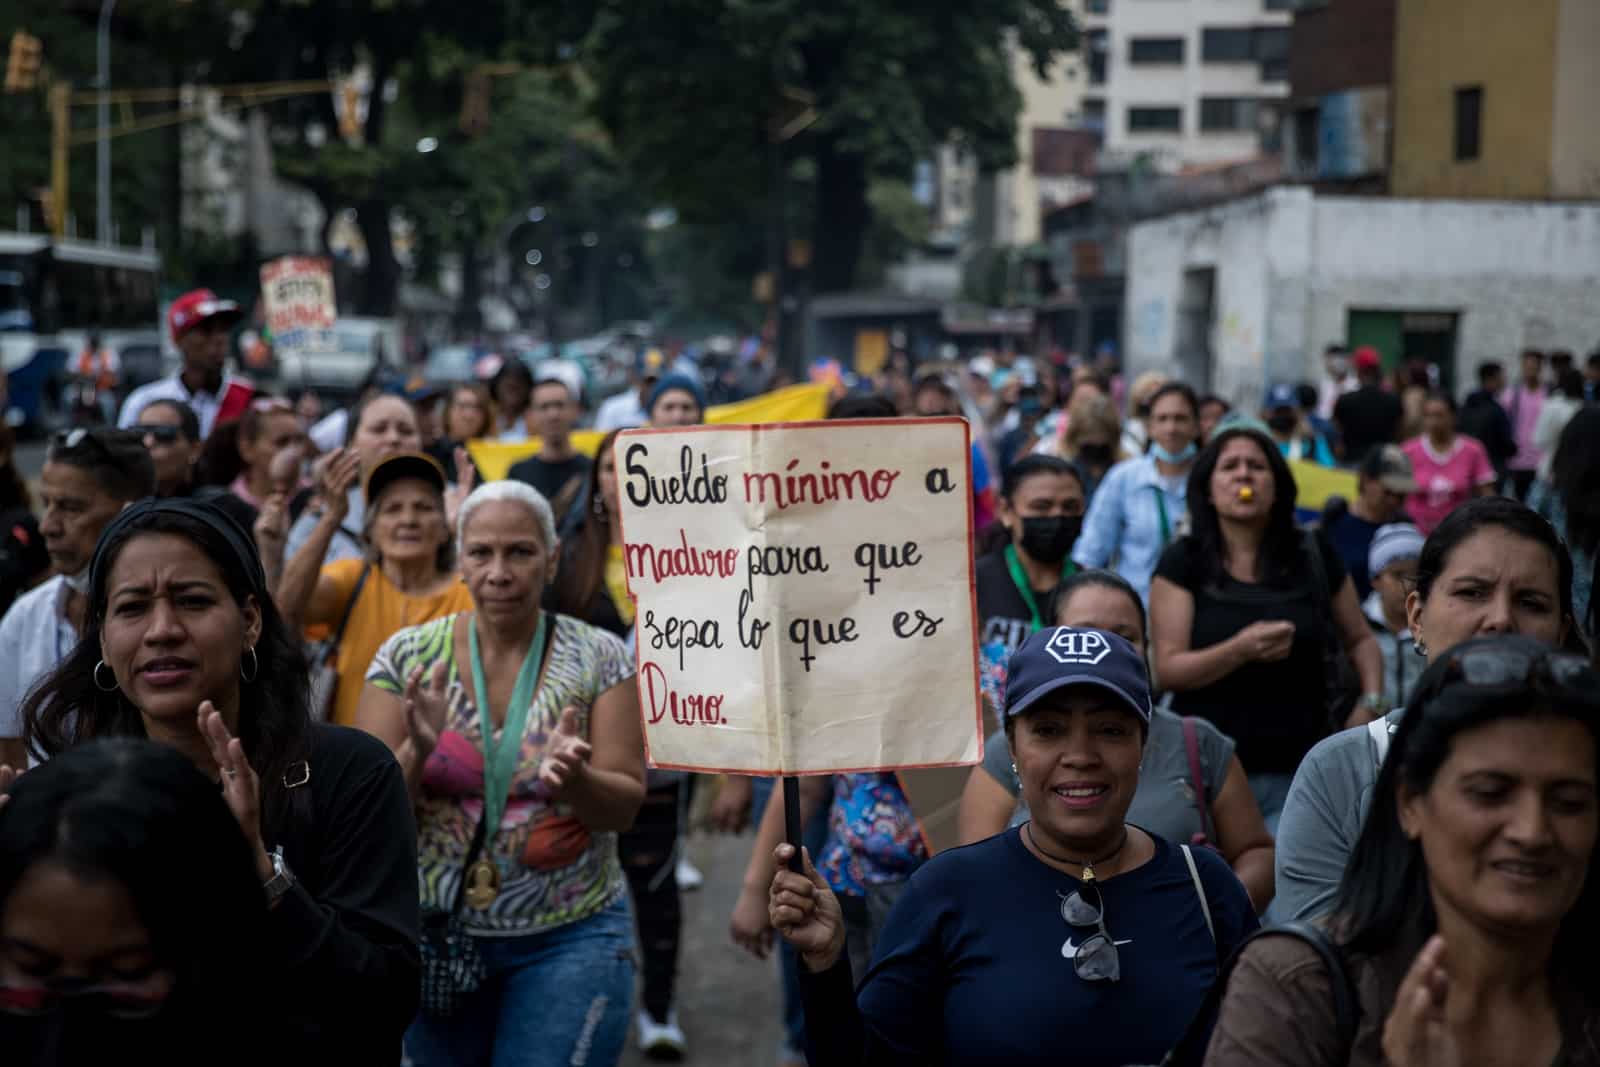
[1444, 482]
[1522, 406]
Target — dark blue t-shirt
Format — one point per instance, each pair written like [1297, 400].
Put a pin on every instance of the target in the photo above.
[971, 966]
[1352, 539]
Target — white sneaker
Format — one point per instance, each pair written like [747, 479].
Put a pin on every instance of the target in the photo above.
[661, 1041]
[689, 876]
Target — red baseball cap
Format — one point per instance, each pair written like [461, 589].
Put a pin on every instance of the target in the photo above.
[1366, 358]
[195, 307]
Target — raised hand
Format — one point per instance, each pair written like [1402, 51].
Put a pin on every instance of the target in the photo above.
[427, 709]
[804, 910]
[466, 476]
[1417, 1034]
[340, 470]
[272, 527]
[566, 754]
[240, 786]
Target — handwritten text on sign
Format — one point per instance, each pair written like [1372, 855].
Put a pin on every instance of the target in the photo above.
[297, 292]
[804, 594]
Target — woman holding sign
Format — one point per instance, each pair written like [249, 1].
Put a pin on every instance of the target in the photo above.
[965, 971]
[1191, 785]
[518, 732]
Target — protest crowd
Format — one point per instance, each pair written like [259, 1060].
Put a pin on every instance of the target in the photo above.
[326, 741]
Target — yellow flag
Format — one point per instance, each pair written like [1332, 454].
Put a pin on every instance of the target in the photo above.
[796, 403]
[1314, 484]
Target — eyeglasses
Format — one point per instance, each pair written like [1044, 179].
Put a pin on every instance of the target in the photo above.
[1556, 673]
[1095, 959]
[165, 435]
[117, 1000]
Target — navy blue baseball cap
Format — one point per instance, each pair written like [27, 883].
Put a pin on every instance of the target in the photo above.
[1281, 395]
[1060, 656]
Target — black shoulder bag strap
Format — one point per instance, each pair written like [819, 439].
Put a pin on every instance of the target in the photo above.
[1190, 1051]
[349, 609]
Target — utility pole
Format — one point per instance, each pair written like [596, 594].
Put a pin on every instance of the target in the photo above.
[102, 156]
[60, 127]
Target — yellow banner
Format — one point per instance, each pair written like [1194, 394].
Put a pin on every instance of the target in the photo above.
[796, 403]
[1314, 484]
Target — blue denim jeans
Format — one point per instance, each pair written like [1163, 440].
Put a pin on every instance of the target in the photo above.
[814, 836]
[561, 998]
[1271, 790]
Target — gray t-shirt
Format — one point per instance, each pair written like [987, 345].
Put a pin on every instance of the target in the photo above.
[1323, 815]
[1164, 803]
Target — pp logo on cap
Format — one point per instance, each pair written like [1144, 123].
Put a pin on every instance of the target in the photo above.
[1077, 646]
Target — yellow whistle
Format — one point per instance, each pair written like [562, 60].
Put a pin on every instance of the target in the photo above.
[1246, 493]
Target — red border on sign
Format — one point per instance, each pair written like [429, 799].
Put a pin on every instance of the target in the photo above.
[972, 587]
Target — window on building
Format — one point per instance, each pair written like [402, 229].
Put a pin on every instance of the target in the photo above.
[1155, 50]
[1231, 44]
[1279, 5]
[1095, 45]
[1155, 119]
[1272, 51]
[1223, 113]
[1469, 122]
[1094, 113]
[1098, 7]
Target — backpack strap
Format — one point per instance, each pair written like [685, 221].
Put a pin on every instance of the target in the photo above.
[1190, 1051]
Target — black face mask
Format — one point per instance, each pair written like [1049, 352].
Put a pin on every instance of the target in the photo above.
[1095, 453]
[1048, 539]
[1283, 423]
[73, 1034]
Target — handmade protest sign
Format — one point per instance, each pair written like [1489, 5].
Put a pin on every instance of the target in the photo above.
[804, 594]
[297, 294]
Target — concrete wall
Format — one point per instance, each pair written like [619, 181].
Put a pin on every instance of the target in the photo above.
[1290, 268]
[1507, 48]
[1056, 101]
[1575, 165]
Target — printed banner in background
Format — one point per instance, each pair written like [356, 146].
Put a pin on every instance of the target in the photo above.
[297, 296]
[796, 403]
[805, 597]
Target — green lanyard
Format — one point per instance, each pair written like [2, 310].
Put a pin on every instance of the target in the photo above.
[1161, 515]
[1020, 579]
[500, 761]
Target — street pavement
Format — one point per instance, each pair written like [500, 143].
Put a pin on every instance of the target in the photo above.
[728, 1001]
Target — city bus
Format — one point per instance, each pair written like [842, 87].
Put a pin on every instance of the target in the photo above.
[53, 295]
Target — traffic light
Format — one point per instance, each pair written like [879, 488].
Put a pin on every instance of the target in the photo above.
[22, 68]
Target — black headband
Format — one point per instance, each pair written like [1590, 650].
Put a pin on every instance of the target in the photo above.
[245, 560]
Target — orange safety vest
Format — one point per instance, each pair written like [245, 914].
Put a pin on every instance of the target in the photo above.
[96, 363]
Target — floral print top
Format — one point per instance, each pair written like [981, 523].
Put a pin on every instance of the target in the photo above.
[553, 870]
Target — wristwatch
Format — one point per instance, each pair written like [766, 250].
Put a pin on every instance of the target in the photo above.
[282, 879]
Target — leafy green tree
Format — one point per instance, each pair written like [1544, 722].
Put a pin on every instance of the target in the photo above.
[691, 90]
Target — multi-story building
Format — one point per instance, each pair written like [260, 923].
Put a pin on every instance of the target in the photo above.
[1185, 82]
[1495, 100]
